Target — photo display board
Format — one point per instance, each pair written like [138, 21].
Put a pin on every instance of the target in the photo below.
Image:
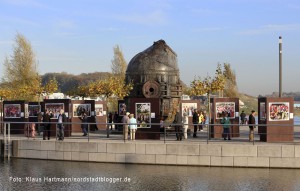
[228, 107]
[279, 111]
[54, 108]
[143, 114]
[12, 110]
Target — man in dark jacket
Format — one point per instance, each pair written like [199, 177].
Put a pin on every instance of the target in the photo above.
[243, 117]
[195, 122]
[251, 123]
[46, 119]
[60, 125]
[178, 124]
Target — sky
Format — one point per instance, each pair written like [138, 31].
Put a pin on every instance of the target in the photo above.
[78, 36]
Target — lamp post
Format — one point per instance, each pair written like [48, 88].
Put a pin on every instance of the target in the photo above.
[280, 66]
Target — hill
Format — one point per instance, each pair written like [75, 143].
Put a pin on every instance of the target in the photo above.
[250, 103]
[69, 82]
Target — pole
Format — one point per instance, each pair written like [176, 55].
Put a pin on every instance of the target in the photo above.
[209, 114]
[280, 66]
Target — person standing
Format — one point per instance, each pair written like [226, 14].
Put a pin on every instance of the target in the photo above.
[200, 121]
[46, 120]
[132, 126]
[60, 126]
[39, 125]
[110, 120]
[115, 120]
[185, 125]
[204, 119]
[251, 123]
[243, 117]
[195, 122]
[125, 121]
[84, 124]
[178, 124]
[226, 126]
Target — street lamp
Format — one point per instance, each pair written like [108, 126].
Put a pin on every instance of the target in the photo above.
[280, 66]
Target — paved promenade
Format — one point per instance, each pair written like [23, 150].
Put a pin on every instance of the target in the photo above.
[115, 136]
[238, 152]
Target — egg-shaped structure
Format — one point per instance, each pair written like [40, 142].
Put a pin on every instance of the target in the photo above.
[154, 73]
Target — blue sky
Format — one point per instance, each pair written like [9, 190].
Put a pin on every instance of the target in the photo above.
[78, 36]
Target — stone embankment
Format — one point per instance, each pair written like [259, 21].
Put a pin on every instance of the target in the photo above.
[173, 153]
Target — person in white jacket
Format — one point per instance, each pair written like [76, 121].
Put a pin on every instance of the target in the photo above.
[185, 122]
[132, 126]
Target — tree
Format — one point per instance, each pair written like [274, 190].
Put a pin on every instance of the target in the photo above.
[118, 64]
[20, 76]
[209, 85]
[51, 86]
[112, 86]
[230, 89]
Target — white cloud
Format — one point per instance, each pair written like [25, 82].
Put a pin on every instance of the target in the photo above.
[207, 29]
[153, 18]
[271, 28]
[66, 24]
[203, 11]
[58, 59]
[26, 3]
[108, 29]
[5, 42]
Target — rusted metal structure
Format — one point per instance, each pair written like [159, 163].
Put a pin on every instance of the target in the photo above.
[155, 74]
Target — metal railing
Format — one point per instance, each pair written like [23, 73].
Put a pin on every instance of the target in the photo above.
[165, 134]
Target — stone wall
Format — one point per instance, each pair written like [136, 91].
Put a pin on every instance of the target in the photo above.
[198, 154]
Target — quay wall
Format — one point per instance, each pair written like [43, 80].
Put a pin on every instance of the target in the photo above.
[188, 154]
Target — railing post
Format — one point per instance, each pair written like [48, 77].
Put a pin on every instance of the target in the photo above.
[165, 134]
[107, 130]
[8, 143]
[56, 129]
[4, 139]
[88, 132]
[253, 135]
[208, 128]
[27, 128]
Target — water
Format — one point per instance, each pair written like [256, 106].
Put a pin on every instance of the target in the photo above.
[141, 177]
[297, 120]
[16, 174]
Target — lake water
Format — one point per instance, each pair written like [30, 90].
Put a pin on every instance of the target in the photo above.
[26, 174]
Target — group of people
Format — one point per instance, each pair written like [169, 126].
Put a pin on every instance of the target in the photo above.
[181, 124]
[199, 119]
[45, 121]
[130, 124]
[225, 121]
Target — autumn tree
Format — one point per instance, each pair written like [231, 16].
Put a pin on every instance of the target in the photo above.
[230, 89]
[118, 64]
[208, 84]
[20, 75]
[50, 86]
[112, 86]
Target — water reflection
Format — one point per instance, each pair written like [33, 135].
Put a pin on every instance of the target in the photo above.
[143, 177]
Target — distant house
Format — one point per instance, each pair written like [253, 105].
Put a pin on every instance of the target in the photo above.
[297, 104]
[56, 96]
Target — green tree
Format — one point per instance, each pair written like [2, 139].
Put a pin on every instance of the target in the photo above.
[20, 74]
